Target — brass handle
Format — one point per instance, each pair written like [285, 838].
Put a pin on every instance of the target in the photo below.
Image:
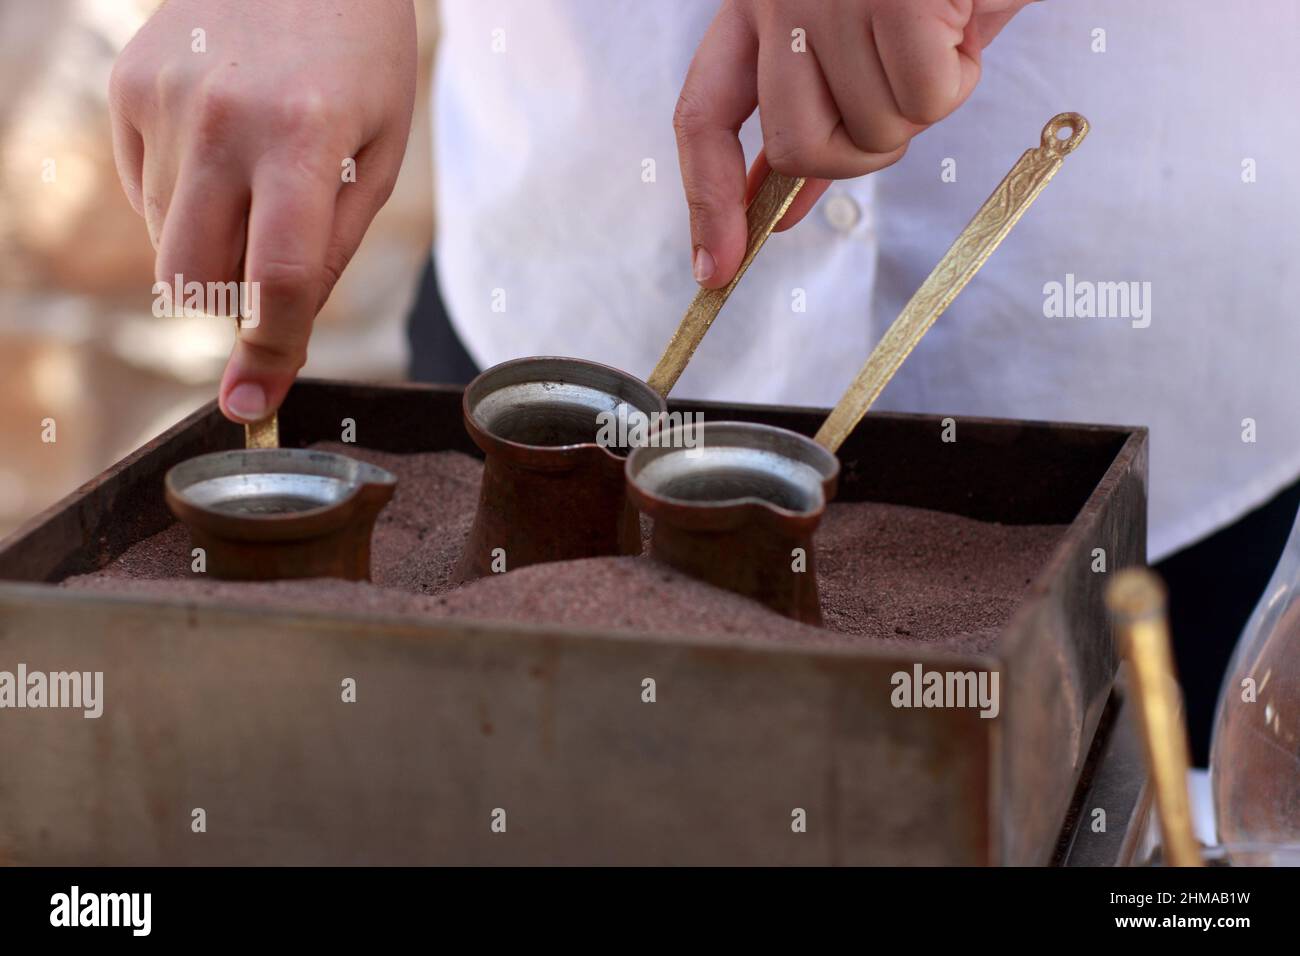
[982, 235]
[1136, 600]
[263, 434]
[765, 210]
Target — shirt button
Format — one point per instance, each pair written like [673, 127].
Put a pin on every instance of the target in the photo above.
[841, 212]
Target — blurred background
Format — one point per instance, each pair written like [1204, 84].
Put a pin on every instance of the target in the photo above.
[78, 339]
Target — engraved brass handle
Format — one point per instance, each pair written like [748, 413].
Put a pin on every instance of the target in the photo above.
[982, 235]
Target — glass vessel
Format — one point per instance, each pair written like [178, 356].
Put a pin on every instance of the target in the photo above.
[1255, 753]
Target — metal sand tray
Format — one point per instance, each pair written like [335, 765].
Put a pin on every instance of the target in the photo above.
[739, 509]
[551, 491]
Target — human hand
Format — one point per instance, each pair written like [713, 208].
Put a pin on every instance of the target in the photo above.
[871, 75]
[235, 153]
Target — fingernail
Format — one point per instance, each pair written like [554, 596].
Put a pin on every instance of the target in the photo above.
[703, 265]
[247, 401]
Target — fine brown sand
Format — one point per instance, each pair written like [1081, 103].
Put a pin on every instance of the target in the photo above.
[886, 573]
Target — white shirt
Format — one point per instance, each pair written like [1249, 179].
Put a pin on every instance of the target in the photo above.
[546, 112]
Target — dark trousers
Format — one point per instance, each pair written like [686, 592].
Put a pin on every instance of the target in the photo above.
[437, 353]
[1213, 585]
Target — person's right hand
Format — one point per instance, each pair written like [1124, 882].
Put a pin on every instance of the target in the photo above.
[236, 154]
[869, 76]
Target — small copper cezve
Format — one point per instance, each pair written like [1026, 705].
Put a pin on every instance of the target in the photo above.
[269, 513]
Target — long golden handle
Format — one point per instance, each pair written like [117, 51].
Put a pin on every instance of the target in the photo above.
[982, 235]
[763, 213]
[1136, 600]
